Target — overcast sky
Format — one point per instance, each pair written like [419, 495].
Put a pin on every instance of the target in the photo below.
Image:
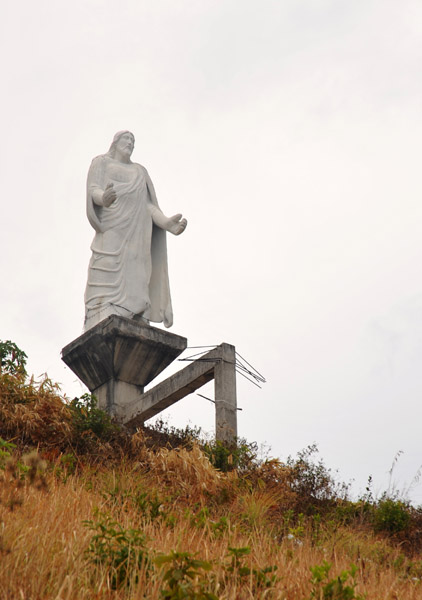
[288, 132]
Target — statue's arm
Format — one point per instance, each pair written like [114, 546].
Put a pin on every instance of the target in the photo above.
[174, 224]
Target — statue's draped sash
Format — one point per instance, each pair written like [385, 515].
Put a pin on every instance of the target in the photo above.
[128, 273]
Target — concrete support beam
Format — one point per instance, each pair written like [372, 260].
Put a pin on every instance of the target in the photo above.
[218, 364]
[173, 389]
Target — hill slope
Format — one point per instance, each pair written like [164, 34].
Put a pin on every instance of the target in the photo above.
[90, 511]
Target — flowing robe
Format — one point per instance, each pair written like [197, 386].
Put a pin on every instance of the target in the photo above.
[127, 273]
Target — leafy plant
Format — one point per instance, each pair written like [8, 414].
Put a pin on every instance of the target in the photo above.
[313, 484]
[150, 506]
[184, 577]
[87, 417]
[261, 578]
[121, 551]
[5, 452]
[341, 587]
[12, 359]
[391, 516]
[226, 457]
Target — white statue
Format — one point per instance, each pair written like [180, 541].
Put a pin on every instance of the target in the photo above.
[127, 272]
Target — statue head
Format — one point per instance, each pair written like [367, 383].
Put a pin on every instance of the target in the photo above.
[116, 139]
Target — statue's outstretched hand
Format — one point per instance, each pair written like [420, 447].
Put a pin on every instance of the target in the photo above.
[176, 224]
[109, 195]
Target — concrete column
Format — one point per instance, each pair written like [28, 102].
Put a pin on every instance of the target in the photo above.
[114, 396]
[225, 395]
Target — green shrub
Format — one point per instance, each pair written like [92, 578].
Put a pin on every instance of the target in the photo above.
[391, 516]
[240, 455]
[88, 418]
[339, 588]
[184, 577]
[314, 485]
[12, 359]
[6, 449]
[236, 567]
[121, 551]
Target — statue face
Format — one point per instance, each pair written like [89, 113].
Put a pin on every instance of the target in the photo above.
[125, 144]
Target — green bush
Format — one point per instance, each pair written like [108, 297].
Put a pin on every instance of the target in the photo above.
[12, 359]
[184, 577]
[339, 588]
[315, 487]
[121, 551]
[236, 567]
[391, 516]
[6, 449]
[87, 417]
[240, 455]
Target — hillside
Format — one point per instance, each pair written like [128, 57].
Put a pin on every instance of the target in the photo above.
[89, 511]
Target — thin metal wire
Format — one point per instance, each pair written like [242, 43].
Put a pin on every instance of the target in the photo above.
[250, 380]
[213, 401]
[194, 347]
[198, 353]
[241, 367]
[261, 377]
[252, 375]
[206, 398]
[213, 360]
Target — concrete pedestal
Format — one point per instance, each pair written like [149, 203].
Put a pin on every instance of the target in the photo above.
[118, 357]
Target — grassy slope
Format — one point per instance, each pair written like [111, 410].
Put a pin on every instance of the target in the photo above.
[143, 500]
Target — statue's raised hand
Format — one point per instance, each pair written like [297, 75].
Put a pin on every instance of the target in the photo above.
[109, 195]
[176, 224]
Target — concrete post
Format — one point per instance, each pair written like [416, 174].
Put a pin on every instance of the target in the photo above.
[225, 395]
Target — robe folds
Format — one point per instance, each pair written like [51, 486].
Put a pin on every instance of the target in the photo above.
[127, 273]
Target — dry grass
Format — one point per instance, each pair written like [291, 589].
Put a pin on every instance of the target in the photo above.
[180, 503]
[44, 539]
[33, 411]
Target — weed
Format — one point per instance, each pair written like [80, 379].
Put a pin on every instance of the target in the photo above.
[261, 578]
[391, 516]
[312, 482]
[298, 531]
[12, 359]
[5, 452]
[340, 588]
[220, 527]
[88, 418]
[162, 434]
[236, 565]
[184, 577]
[149, 506]
[66, 467]
[226, 457]
[121, 551]
[16, 473]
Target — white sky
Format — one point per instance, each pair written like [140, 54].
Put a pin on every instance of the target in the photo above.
[288, 133]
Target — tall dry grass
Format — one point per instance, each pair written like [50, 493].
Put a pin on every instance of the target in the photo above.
[85, 517]
[44, 541]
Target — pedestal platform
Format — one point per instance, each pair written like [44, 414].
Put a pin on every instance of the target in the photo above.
[118, 357]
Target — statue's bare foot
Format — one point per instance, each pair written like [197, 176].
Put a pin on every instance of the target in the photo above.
[176, 224]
